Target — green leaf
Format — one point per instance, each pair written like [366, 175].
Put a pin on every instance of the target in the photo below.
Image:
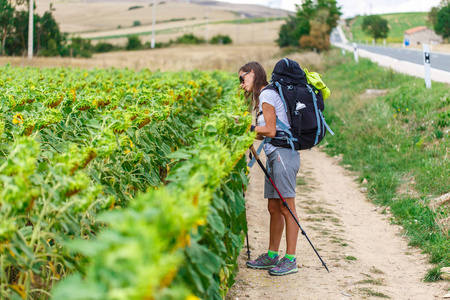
[70, 289]
[211, 129]
[215, 221]
[180, 154]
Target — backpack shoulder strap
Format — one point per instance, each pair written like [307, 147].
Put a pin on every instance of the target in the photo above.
[319, 116]
[269, 87]
[277, 87]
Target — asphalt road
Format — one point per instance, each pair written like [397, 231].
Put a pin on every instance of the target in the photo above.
[440, 61]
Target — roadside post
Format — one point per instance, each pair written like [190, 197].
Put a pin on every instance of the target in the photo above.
[152, 44]
[426, 63]
[355, 51]
[30, 30]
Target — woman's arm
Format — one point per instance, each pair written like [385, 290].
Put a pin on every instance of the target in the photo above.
[271, 121]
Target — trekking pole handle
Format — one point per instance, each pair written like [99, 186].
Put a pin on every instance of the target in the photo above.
[252, 148]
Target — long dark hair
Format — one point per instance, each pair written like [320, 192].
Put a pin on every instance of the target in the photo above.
[259, 81]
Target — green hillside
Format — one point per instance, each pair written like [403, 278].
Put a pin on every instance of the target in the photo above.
[398, 23]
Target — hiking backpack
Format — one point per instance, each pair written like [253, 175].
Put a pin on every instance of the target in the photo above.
[303, 104]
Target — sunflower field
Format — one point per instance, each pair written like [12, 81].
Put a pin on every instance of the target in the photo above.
[118, 184]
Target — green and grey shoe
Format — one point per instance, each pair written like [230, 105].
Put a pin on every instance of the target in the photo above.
[284, 267]
[263, 262]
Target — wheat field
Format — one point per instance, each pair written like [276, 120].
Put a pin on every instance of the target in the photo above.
[202, 57]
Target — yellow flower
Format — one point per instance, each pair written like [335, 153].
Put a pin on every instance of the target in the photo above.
[246, 113]
[18, 119]
[195, 200]
[127, 151]
[131, 144]
[395, 116]
[193, 83]
[200, 222]
[192, 297]
[32, 87]
[184, 240]
[167, 280]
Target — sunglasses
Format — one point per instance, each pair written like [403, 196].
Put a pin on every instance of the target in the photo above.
[241, 78]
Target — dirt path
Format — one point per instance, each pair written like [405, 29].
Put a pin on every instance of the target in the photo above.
[368, 258]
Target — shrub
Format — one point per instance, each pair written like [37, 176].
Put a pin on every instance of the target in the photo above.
[80, 48]
[189, 39]
[134, 43]
[136, 23]
[135, 7]
[52, 49]
[103, 47]
[221, 39]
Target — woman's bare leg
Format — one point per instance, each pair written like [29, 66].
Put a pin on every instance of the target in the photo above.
[276, 224]
[291, 226]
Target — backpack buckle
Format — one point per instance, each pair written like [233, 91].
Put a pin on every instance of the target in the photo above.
[290, 87]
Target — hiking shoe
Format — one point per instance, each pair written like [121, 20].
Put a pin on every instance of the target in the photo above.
[284, 267]
[263, 262]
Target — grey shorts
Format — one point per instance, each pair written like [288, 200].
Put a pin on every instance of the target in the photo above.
[283, 166]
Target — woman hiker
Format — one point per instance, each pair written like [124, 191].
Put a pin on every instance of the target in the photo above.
[283, 165]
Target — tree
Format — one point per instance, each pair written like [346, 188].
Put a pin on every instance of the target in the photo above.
[17, 43]
[14, 30]
[375, 26]
[300, 24]
[46, 30]
[6, 15]
[318, 39]
[441, 22]
[432, 16]
[334, 12]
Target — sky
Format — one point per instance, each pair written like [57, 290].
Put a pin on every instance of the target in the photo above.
[351, 8]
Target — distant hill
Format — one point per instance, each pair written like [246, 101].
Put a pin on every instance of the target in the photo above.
[398, 23]
[115, 20]
[78, 16]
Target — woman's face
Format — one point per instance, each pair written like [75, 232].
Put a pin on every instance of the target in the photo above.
[246, 80]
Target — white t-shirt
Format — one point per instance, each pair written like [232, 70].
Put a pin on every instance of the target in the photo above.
[271, 97]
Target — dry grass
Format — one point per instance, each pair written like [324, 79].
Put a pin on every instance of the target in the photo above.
[242, 34]
[210, 57]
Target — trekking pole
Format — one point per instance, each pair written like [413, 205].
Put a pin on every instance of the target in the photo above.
[246, 235]
[252, 148]
[248, 247]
